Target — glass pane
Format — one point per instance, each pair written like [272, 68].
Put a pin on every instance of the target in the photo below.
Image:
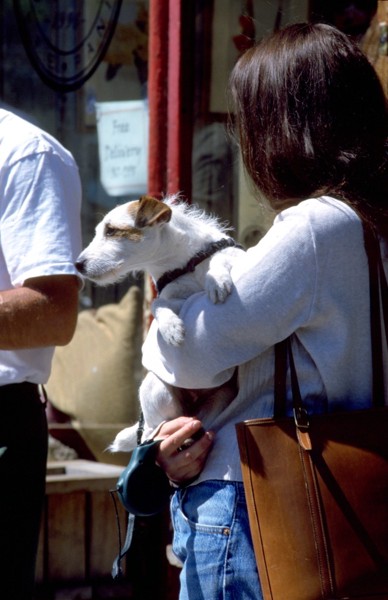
[60, 59]
[224, 30]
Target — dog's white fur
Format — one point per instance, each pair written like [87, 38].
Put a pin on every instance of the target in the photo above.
[157, 237]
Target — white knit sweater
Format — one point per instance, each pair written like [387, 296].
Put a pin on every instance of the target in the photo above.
[307, 276]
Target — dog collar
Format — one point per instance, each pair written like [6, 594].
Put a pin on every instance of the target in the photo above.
[211, 249]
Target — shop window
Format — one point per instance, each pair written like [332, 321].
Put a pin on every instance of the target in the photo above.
[59, 62]
[224, 30]
[62, 63]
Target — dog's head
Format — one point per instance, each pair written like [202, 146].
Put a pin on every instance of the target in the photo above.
[126, 240]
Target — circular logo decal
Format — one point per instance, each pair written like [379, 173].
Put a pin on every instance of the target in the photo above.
[66, 41]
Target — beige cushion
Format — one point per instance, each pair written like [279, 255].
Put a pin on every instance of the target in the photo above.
[95, 378]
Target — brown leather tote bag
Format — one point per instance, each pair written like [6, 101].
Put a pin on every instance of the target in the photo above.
[317, 486]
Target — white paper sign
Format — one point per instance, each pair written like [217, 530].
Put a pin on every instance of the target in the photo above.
[122, 129]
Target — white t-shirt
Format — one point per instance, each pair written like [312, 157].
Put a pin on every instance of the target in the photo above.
[307, 276]
[40, 233]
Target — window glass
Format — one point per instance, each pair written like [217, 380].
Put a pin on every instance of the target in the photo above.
[59, 61]
[224, 30]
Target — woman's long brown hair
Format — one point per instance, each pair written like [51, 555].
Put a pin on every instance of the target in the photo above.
[311, 118]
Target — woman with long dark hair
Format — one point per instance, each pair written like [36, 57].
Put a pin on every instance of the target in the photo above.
[311, 119]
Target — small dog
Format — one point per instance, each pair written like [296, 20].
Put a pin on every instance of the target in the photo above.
[185, 251]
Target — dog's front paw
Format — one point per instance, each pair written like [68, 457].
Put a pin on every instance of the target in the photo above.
[170, 325]
[218, 288]
[172, 330]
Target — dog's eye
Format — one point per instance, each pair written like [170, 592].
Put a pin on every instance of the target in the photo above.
[110, 231]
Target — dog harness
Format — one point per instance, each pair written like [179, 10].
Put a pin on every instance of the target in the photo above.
[211, 249]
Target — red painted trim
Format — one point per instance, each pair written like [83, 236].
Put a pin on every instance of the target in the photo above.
[174, 112]
[157, 97]
[170, 92]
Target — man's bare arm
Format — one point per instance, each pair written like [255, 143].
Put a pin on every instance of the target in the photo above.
[41, 313]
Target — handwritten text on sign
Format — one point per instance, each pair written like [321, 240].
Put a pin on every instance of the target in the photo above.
[123, 146]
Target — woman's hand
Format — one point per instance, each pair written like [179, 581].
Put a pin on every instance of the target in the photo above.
[180, 463]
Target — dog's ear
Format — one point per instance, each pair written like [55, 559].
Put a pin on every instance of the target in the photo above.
[152, 212]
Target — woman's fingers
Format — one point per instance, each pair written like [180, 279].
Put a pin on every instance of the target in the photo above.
[184, 450]
[178, 433]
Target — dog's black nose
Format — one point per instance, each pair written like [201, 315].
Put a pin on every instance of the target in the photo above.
[80, 265]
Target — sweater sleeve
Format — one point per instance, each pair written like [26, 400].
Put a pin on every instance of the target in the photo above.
[274, 288]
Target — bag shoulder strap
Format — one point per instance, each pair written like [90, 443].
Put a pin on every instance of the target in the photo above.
[280, 391]
[378, 311]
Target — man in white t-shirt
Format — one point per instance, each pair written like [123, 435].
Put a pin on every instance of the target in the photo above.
[40, 237]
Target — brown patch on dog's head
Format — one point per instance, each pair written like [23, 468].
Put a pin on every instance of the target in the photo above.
[145, 212]
[131, 233]
[151, 212]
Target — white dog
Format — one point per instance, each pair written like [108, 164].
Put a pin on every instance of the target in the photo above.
[185, 251]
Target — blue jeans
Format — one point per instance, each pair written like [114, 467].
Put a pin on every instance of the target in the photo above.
[213, 541]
